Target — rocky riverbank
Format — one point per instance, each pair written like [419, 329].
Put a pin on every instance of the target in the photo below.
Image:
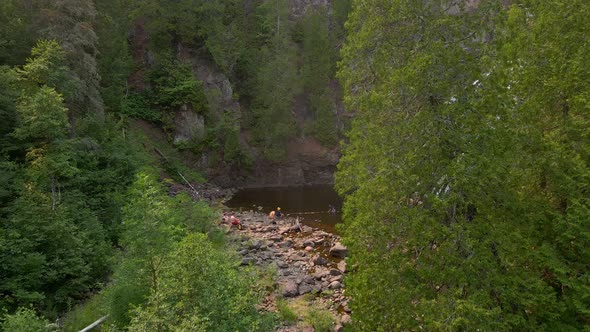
[309, 264]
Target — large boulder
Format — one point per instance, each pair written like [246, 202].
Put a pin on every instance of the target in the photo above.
[290, 289]
[305, 288]
[338, 250]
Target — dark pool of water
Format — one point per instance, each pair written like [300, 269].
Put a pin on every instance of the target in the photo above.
[309, 203]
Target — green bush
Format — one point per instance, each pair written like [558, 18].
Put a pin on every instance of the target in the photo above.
[84, 314]
[201, 288]
[26, 320]
[137, 105]
[320, 319]
[174, 85]
[285, 313]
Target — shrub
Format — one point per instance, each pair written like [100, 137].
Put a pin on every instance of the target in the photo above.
[320, 319]
[136, 105]
[285, 312]
[26, 320]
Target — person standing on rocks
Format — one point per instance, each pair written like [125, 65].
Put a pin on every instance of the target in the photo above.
[279, 214]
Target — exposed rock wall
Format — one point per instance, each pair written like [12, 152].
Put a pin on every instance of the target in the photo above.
[308, 163]
[188, 125]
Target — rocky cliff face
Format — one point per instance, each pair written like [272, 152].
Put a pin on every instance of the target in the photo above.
[308, 162]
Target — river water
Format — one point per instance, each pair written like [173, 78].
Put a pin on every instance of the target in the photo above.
[309, 203]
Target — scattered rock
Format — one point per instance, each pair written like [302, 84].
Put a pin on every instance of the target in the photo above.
[285, 244]
[248, 261]
[296, 257]
[336, 278]
[299, 258]
[319, 274]
[335, 272]
[255, 245]
[319, 242]
[335, 285]
[305, 288]
[319, 260]
[271, 228]
[276, 238]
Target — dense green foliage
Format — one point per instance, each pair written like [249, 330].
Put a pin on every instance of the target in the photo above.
[175, 270]
[217, 297]
[467, 167]
[114, 58]
[58, 207]
[26, 320]
[277, 80]
[75, 213]
[318, 70]
[17, 35]
[466, 171]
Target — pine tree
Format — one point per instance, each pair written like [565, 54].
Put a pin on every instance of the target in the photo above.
[71, 23]
[277, 81]
[451, 173]
[318, 69]
[54, 245]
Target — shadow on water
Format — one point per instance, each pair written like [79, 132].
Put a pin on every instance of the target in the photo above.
[309, 203]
